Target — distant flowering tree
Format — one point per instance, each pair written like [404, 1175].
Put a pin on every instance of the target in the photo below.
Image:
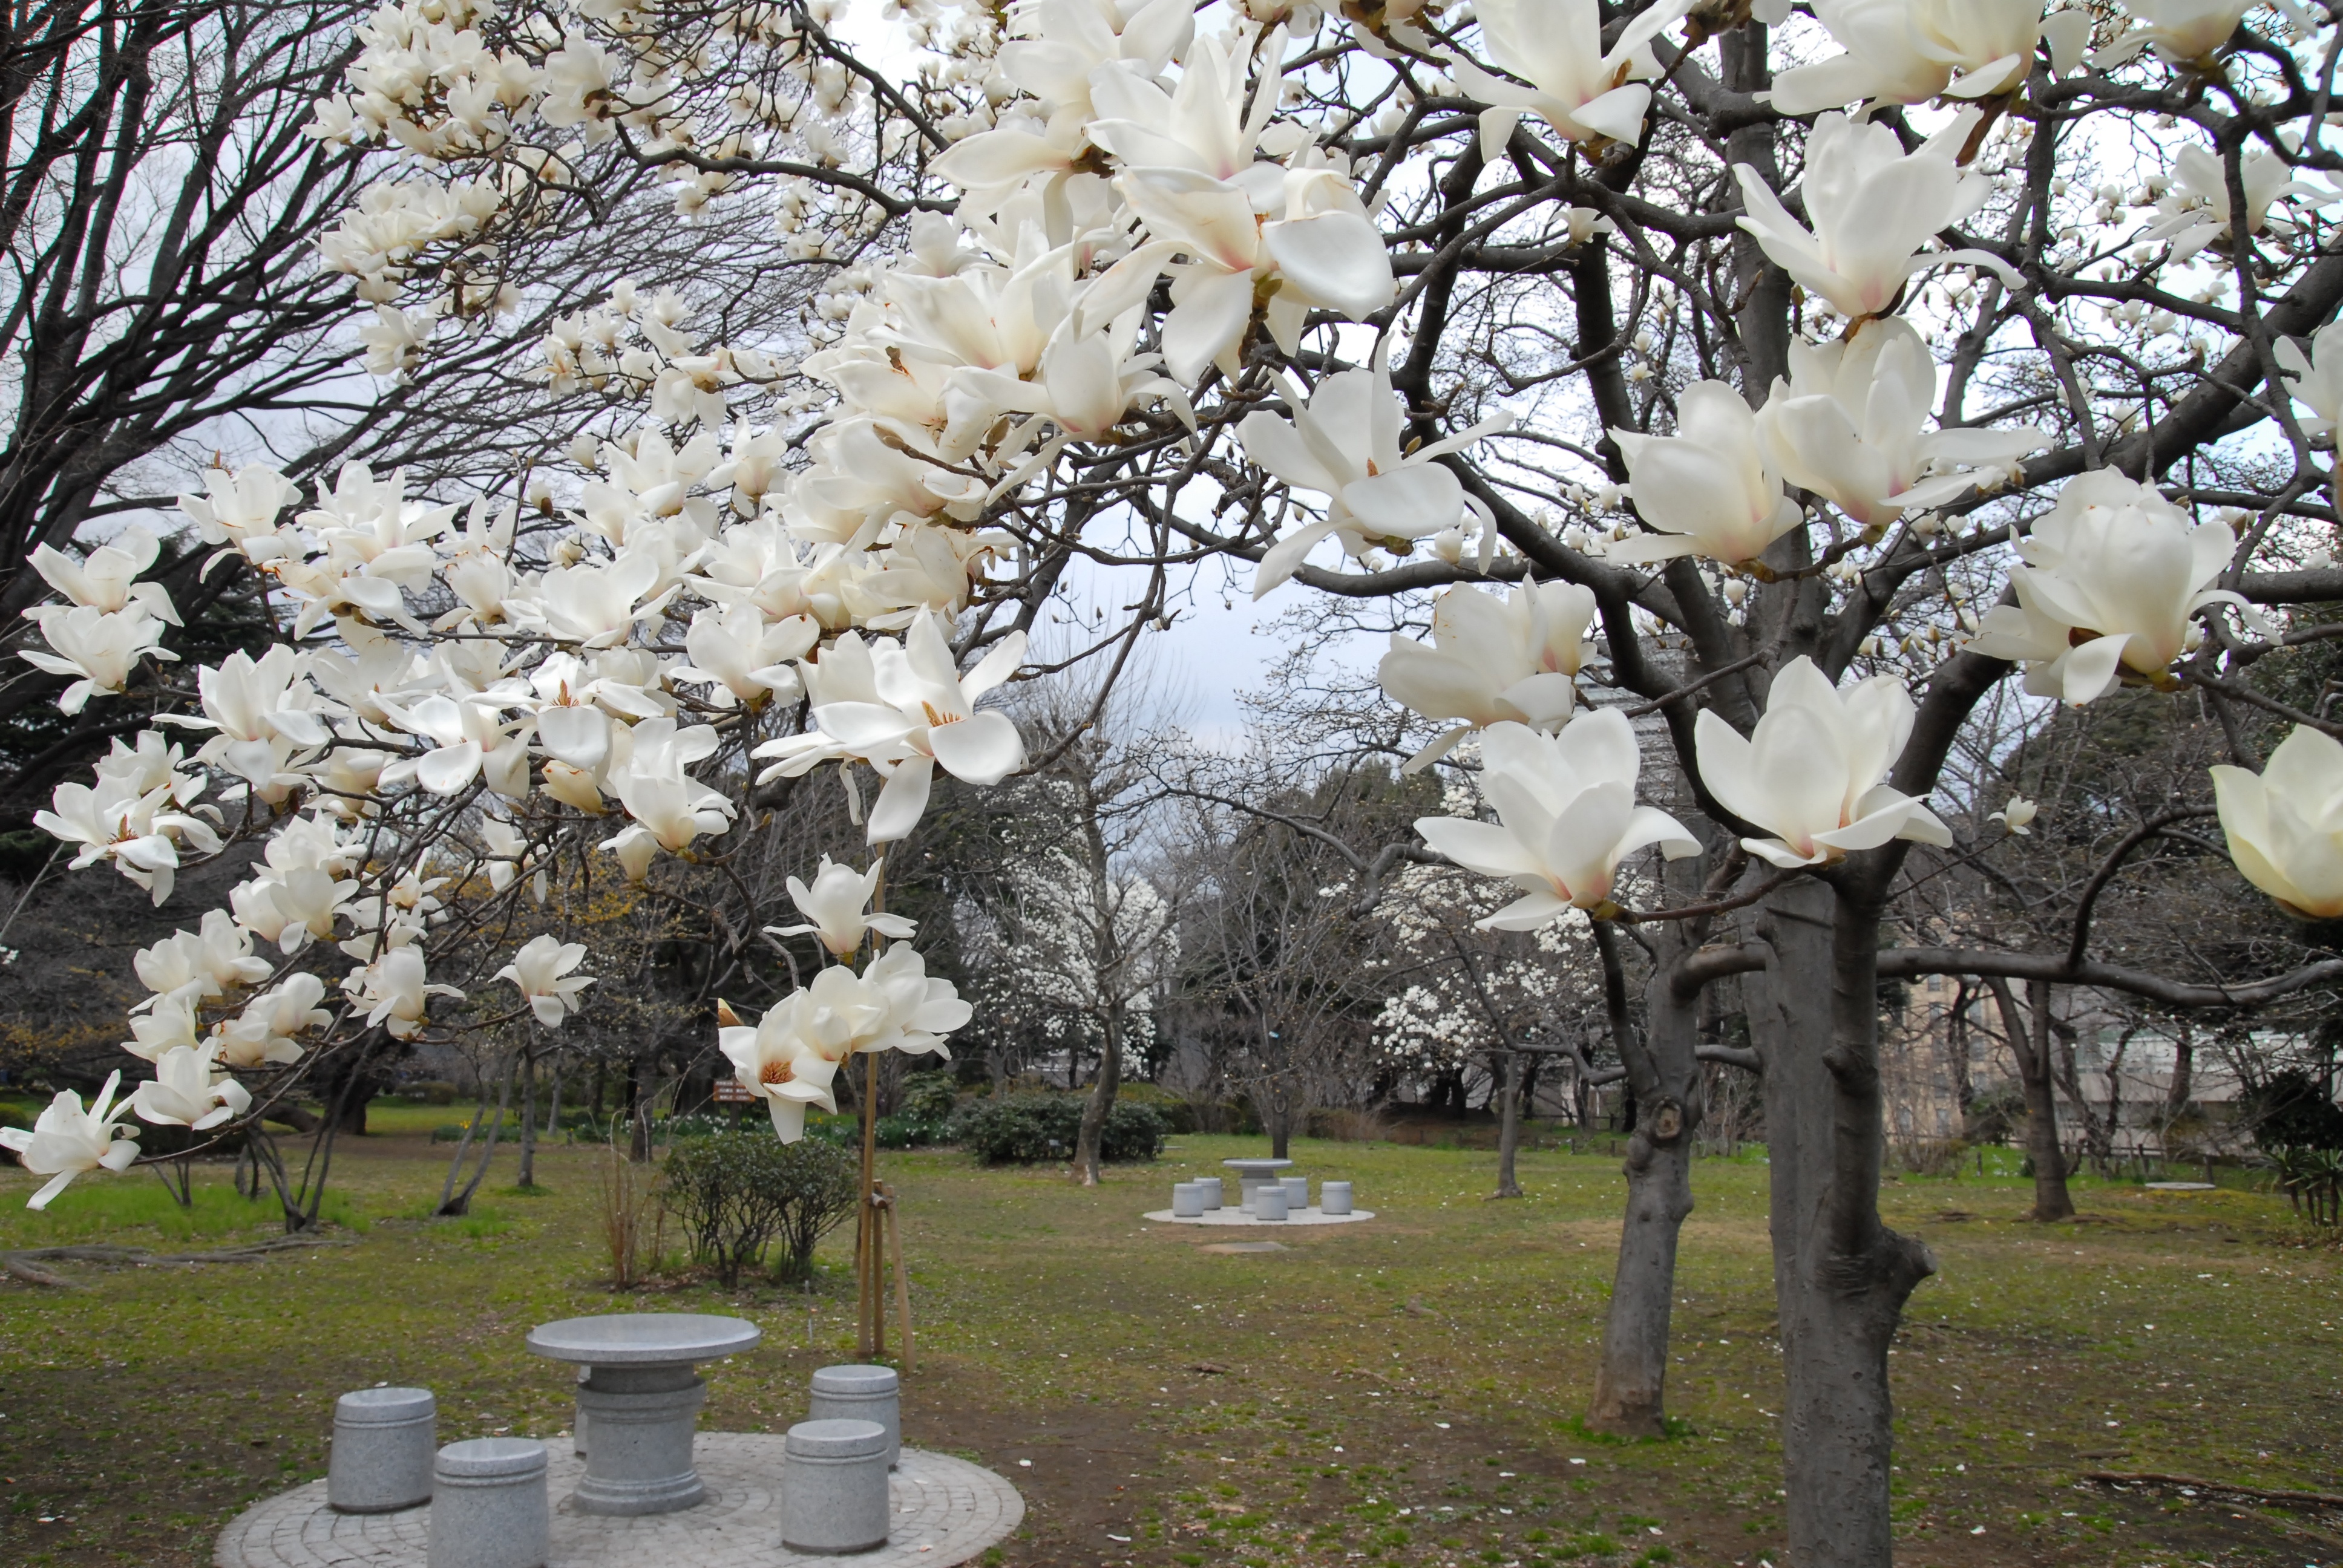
[1675, 380]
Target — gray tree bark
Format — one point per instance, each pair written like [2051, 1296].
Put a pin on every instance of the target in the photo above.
[1509, 1122]
[2029, 1043]
[1840, 1276]
[1630, 1381]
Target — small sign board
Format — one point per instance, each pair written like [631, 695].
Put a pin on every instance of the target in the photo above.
[731, 1091]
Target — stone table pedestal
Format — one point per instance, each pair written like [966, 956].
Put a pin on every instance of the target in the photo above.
[1253, 1175]
[642, 1400]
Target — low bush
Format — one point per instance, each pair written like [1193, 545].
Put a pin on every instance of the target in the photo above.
[738, 1194]
[1034, 1128]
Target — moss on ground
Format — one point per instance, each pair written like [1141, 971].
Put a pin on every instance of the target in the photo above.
[1405, 1392]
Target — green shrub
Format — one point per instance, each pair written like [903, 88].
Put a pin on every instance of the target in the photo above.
[737, 1194]
[1034, 1128]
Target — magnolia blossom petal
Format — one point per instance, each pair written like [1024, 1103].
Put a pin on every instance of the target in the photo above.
[902, 802]
[1338, 259]
[983, 748]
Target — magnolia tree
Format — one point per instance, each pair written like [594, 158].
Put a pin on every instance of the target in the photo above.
[1769, 366]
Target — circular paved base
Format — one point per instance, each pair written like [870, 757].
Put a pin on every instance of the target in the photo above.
[946, 1512]
[1232, 1215]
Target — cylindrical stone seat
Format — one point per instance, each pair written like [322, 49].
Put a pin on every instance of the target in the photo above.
[1187, 1200]
[384, 1439]
[1269, 1201]
[1209, 1186]
[488, 1505]
[834, 1496]
[1333, 1197]
[1297, 1192]
[861, 1394]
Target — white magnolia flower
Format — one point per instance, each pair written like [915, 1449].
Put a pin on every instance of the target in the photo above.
[99, 648]
[66, 1140]
[737, 650]
[200, 964]
[185, 1090]
[267, 1033]
[1873, 208]
[2017, 816]
[2316, 379]
[1585, 92]
[106, 578]
[468, 740]
[241, 512]
[837, 906]
[1708, 489]
[2113, 576]
[1850, 426]
[168, 1024]
[395, 988]
[133, 823]
[2190, 31]
[2196, 213]
[1812, 772]
[1189, 174]
[920, 1009]
[789, 1058]
[905, 708]
[540, 970]
[1910, 51]
[1343, 443]
[1566, 815]
[670, 809]
[2285, 825]
[252, 703]
[1492, 660]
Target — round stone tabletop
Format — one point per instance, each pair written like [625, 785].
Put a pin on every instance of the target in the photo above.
[1256, 1166]
[644, 1338]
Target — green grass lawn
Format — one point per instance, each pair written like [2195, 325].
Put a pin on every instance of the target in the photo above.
[1402, 1392]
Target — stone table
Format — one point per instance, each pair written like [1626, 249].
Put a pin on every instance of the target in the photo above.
[642, 1400]
[1252, 1173]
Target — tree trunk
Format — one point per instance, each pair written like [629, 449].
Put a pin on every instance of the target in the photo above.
[1840, 1276]
[1101, 1101]
[553, 1100]
[1665, 1074]
[2029, 1043]
[645, 1085]
[527, 1119]
[452, 1202]
[1509, 1121]
[2182, 1087]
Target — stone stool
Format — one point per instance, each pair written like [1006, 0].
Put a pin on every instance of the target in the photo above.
[383, 1442]
[1297, 1192]
[1333, 1197]
[834, 1497]
[861, 1394]
[1269, 1201]
[488, 1506]
[1211, 1188]
[1187, 1200]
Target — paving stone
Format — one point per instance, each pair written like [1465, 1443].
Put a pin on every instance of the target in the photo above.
[947, 1511]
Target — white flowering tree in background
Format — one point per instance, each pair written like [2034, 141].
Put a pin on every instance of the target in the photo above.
[1802, 377]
